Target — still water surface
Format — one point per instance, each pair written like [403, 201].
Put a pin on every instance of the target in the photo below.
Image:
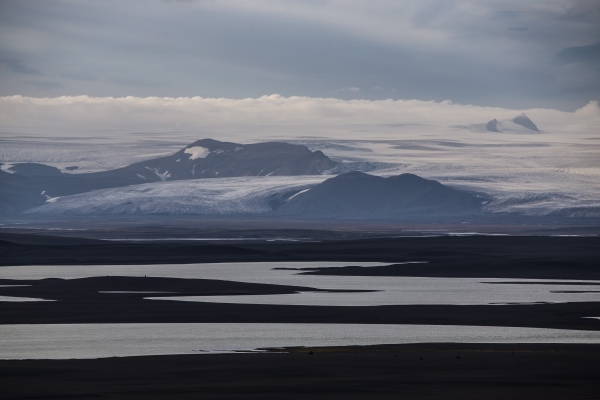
[384, 290]
[58, 341]
[110, 340]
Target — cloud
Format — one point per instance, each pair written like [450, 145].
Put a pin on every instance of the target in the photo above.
[18, 67]
[79, 76]
[83, 114]
[470, 51]
[351, 89]
[586, 11]
[45, 84]
[590, 53]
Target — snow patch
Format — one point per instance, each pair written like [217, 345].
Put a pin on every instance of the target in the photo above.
[300, 192]
[141, 176]
[197, 152]
[163, 176]
[238, 149]
[48, 198]
[218, 151]
[7, 168]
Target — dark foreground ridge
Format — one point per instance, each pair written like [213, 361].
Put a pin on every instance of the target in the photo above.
[80, 305]
[80, 300]
[536, 257]
[93, 288]
[419, 371]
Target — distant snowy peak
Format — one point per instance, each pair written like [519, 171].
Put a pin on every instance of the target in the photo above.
[492, 125]
[515, 125]
[524, 120]
[519, 124]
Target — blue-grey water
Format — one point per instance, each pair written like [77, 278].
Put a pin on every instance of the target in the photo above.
[20, 299]
[384, 290]
[119, 340]
[108, 340]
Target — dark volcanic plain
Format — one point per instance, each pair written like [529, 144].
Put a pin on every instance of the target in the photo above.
[548, 371]
[420, 371]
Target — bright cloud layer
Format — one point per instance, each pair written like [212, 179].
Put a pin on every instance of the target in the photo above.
[86, 114]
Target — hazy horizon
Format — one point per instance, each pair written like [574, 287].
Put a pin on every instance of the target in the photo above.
[389, 88]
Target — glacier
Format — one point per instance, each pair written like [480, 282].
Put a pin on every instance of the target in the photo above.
[222, 196]
[555, 172]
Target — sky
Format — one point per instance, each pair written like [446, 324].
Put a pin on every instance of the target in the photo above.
[384, 86]
[507, 54]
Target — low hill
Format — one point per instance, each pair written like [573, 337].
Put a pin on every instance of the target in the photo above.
[359, 195]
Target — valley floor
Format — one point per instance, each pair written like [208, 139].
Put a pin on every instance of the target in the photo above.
[419, 371]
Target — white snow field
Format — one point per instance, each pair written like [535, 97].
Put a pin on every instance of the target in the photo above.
[554, 171]
[197, 152]
[535, 174]
[217, 196]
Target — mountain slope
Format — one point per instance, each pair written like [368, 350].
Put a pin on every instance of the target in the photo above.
[359, 195]
[209, 158]
[27, 185]
[224, 196]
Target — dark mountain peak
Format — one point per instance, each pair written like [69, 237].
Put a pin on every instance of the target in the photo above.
[411, 178]
[211, 144]
[402, 179]
[209, 158]
[314, 163]
[524, 120]
[350, 180]
[351, 174]
[492, 125]
[359, 195]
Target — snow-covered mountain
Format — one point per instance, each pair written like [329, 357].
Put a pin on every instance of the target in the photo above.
[352, 195]
[26, 185]
[209, 158]
[519, 124]
[347, 196]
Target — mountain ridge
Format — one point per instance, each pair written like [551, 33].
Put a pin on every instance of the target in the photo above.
[25, 185]
[360, 195]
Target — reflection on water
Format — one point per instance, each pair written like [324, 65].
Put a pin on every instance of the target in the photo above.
[1, 286]
[20, 299]
[120, 340]
[132, 291]
[384, 290]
